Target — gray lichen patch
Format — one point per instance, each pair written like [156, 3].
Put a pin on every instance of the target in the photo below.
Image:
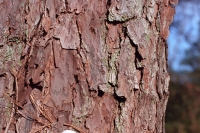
[139, 32]
[136, 30]
[112, 72]
[10, 56]
[124, 10]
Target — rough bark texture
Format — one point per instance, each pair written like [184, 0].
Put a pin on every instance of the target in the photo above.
[99, 66]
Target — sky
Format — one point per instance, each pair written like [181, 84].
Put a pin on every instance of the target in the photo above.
[183, 31]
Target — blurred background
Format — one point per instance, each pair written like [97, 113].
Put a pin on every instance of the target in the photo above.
[183, 109]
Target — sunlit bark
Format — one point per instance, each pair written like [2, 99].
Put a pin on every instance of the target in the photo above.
[92, 66]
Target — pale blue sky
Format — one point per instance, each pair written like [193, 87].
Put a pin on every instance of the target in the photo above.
[186, 25]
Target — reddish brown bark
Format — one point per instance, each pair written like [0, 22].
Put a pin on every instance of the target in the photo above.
[98, 66]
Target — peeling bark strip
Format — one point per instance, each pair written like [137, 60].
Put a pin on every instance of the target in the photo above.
[99, 66]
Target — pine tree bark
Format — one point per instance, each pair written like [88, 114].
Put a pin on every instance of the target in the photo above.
[95, 66]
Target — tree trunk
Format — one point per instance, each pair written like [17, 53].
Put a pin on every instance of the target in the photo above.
[92, 66]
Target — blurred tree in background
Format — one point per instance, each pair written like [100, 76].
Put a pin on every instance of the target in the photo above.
[183, 110]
